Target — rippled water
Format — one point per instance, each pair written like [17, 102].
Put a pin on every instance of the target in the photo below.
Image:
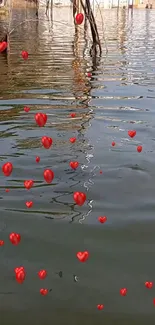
[120, 96]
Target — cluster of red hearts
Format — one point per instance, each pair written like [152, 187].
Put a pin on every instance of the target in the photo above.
[83, 257]
[20, 272]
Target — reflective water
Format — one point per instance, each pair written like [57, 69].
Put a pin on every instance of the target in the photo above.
[120, 96]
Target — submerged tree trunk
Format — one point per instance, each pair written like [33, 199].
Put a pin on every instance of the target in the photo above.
[90, 17]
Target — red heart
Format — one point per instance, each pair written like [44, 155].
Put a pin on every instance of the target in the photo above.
[20, 276]
[1, 242]
[26, 109]
[47, 142]
[102, 219]
[29, 204]
[37, 159]
[74, 164]
[113, 144]
[79, 198]
[41, 119]
[100, 307]
[7, 169]
[18, 269]
[15, 238]
[25, 55]
[82, 256]
[42, 274]
[139, 148]
[72, 115]
[148, 284]
[123, 291]
[28, 184]
[3, 46]
[131, 133]
[44, 292]
[72, 140]
[79, 18]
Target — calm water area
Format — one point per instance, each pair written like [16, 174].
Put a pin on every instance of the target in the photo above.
[120, 96]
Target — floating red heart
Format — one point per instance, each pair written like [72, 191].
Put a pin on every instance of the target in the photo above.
[15, 238]
[25, 55]
[72, 140]
[148, 285]
[29, 204]
[100, 307]
[20, 276]
[139, 148]
[46, 142]
[154, 301]
[74, 164]
[7, 190]
[43, 292]
[131, 133]
[26, 109]
[102, 219]
[42, 274]
[79, 18]
[89, 75]
[41, 119]
[113, 144]
[123, 291]
[72, 115]
[37, 159]
[48, 175]
[28, 184]
[3, 46]
[79, 198]
[7, 169]
[82, 256]
[1, 242]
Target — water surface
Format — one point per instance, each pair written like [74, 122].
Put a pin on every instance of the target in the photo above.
[119, 96]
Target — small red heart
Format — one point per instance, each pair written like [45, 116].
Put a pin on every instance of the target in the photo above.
[131, 133]
[148, 285]
[7, 190]
[139, 148]
[79, 198]
[72, 140]
[113, 144]
[41, 119]
[28, 184]
[26, 109]
[25, 55]
[74, 164]
[102, 219]
[101, 172]
[37, 159]
[46, 142]
[89, 75]
[42, 274]
[1, 242]
[123, 291]
[82, 256]
[43, 292]
[15, 238]
[3, 46]
[100, 307]
[72, 115]
[20, 276]
[29, 204]
[154, 301]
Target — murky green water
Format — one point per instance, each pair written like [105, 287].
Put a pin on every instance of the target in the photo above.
[120, 96]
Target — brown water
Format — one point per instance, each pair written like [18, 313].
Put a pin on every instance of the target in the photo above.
[119, 97]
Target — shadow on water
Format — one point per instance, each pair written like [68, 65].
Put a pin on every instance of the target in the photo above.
[118, 96]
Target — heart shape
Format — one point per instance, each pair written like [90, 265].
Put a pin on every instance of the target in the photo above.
[3, 46]
[74, 164]
[26, 109]
[72, 140]
[47, 142]
[102, 219]
[28, 184]
[131, 133]
[29, 204]
[82, 256]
